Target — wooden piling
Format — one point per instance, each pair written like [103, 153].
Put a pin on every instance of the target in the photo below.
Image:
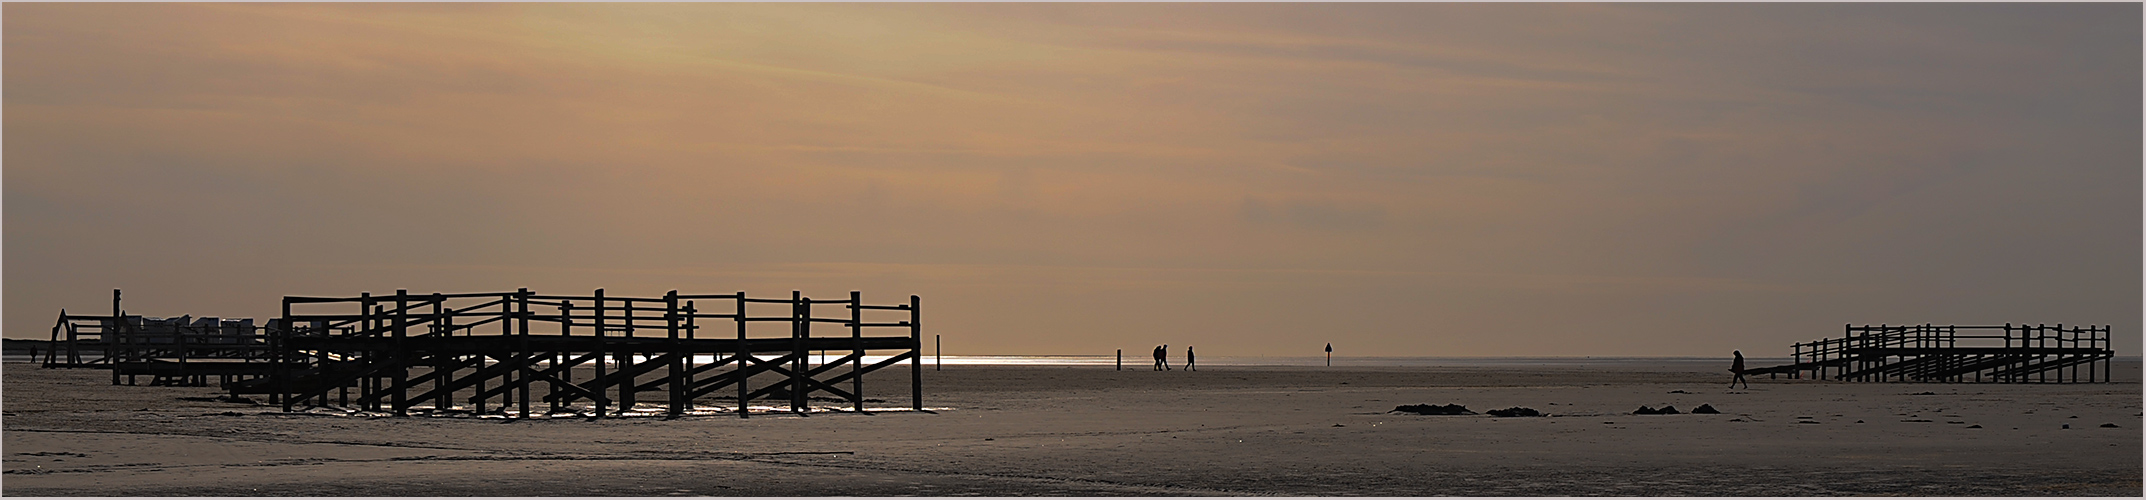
[856, 336]
[799, 328]
[743, 375]
[677, 365]
[602, 351]
[916, 340]
[402, 353]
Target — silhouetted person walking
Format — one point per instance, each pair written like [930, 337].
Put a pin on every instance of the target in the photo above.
[1162, 355]
[1158, 358]
[1188, 359]
[1738, 368]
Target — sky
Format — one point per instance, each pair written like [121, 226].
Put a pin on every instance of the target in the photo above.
[1250, 179]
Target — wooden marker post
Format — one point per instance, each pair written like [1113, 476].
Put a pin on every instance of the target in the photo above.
[521, 297]
[800, 327]
[602, 351]
[856, 342]
[677, 364]
[441, 326]
[744, 356]
[400, 405]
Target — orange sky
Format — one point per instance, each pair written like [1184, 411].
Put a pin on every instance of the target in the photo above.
[1252, 179]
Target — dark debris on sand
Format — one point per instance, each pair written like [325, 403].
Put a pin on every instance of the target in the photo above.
[1705, 408]
[1666, 410]
[1428, 409]
[1515, 412]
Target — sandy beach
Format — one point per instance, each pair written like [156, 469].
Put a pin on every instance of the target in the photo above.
[1087, 430]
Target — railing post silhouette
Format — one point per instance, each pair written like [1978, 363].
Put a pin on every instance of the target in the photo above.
[856, 342]
[677, 365]
[279, 347]
[566, 335]
[527, 357]
[401, 373]
[623, 355]
[744, 357]
[799, 329]
[603, 355]
[441, 371]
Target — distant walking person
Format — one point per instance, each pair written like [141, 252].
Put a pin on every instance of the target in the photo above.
[1162, 355]
[1158, 358]
[1738, 368]
[1188, 359]
[1330, 354]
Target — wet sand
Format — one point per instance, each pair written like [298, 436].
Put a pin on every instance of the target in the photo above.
[1238, 431]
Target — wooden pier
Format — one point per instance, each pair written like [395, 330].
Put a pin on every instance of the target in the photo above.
[522, 354]
[1952, 353]
[173, 351]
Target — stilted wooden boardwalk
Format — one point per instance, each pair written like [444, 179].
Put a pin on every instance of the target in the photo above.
[173, 351]
[524, 354]
[1951, 353]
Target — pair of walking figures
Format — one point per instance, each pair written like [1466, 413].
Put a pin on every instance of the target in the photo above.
[1162, 358]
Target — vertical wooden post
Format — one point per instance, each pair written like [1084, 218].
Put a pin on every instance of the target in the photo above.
[856, 342]
[502, 354]
[1796, 357]
[799, 329]
[916, 347]
[2041, 340]
[481, 357]
[602, 352]
[279, 345]
[692, 365]
[938, 353]
[1952, 340]
[1121, 360]
[111, 338]
[678, 368]
[624, 356]
[562, 355]
[2002, 373]
[402, 353]
[342, 394]
[178, 340]
[744, 356]
[441, 369]
[527, 358]
[370, 319]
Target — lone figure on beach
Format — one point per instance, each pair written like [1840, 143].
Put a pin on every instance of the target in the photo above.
[1188, 359]
[1737, 367]
[1158, 358]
